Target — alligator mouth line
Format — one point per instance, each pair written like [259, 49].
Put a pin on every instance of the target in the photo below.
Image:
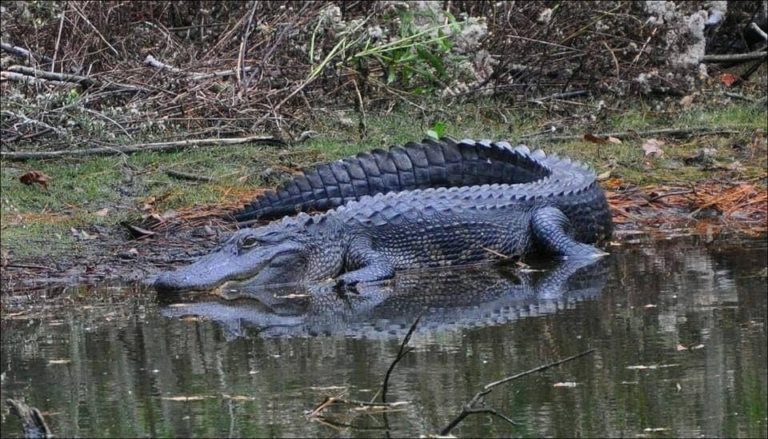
[236, 289]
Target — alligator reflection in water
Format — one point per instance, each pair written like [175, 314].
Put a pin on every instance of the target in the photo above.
[446, 299]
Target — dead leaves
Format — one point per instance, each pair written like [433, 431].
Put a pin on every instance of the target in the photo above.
[652, 148]
[740, 205]
[728, 79]
[600, 140]
[33, 177]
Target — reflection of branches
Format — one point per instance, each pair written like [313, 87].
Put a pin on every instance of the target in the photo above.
[380, 407]
[476, 404]
[331, 400]
[400, 354]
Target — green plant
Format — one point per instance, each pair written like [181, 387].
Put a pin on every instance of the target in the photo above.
[437, 130]
[417, 57]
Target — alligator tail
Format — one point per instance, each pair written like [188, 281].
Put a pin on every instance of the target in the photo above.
[444, 163]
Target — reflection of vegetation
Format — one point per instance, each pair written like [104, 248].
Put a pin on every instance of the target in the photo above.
[126, 364]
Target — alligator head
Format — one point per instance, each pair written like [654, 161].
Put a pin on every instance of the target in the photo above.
[251, 258]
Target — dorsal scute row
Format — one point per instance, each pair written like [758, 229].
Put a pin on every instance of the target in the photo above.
[393, 208]
[410, 167]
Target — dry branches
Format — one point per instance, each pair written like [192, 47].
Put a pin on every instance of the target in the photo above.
[160, 146]
[244, 67]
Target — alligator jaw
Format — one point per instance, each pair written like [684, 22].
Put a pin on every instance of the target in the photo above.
[254, 267]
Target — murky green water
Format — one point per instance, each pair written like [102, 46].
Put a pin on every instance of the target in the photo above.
[679, 330]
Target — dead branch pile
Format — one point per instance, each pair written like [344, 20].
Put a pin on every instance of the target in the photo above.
[89, 74]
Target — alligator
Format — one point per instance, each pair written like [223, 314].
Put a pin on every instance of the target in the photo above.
[446, 299]
[428, 204]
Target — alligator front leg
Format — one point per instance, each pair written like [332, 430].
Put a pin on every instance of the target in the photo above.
[370, 265]
[551, 230]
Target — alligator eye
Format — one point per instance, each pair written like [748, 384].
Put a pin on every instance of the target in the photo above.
[248, 242]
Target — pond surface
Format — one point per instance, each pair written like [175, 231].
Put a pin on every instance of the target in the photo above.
[678, 327]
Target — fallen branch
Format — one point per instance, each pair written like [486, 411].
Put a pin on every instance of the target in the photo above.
[759, 31]
[738, 96]
[13, 76]
[68, 78]
[672, 132]
[564, 95]
[735, 57]
[155, 63]
[32, 420]
[27, 120]
[160, 146]
[23, 53]
[476, 404]
[186, 176]
[331, 400]
[64, 77]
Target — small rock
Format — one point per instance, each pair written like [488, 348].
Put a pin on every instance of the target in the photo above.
[129, 254]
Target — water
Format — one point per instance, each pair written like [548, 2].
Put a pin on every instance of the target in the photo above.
[679, 329]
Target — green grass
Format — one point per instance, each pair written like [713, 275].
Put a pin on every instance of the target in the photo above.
[79, 188]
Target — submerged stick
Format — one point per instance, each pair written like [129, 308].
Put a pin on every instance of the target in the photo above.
[475, 405]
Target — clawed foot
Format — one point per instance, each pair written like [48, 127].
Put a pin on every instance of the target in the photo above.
[345, 287]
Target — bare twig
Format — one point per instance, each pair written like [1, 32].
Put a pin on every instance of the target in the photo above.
[104, 116]
[735, 57]
[95, 30]
[475, 405]
[244, 44]
[187, 176]
[13, 76]
[400, 354]
[738, 96]
[615, 61]
[58, 40]
[82, 80]
[362, 110]
[154, 62]
[670, 194]
[564, 95]
[331, 400]
[28, 136]
[672, 132]
[64, 77]
[161, 146]
[27, 120]
[23, 53]
[759, 31]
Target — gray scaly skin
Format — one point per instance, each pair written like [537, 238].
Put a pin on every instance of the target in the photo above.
[424, 165]
[446, 299]
[557, 207]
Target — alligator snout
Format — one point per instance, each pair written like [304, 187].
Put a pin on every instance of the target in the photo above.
[173, 282]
